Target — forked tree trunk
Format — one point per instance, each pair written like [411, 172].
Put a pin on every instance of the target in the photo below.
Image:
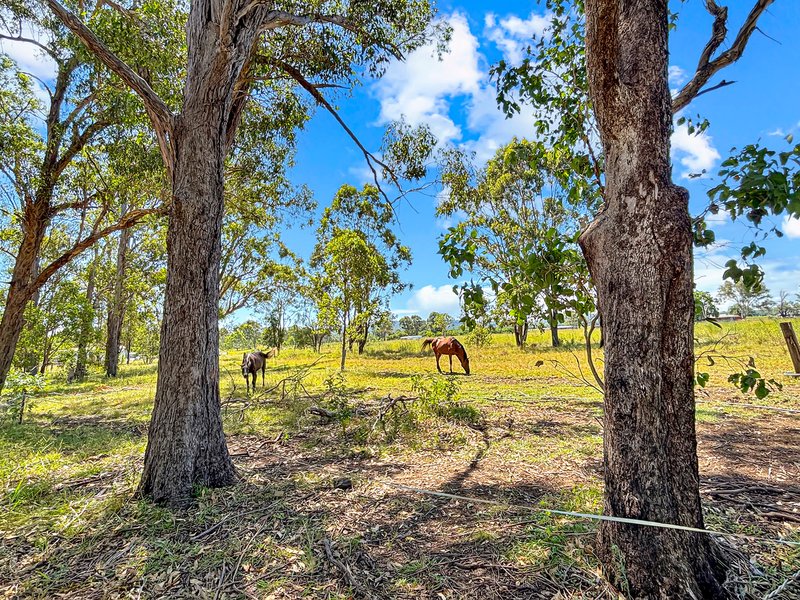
[20, 291]
[639, 251]
[363, 336]
[318, 338]
[116, 311]
[186, 444]
[362, 343]
[48, 345]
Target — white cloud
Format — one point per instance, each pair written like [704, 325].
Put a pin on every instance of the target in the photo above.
[513, 34]
[428, 299]
[676, 75]
[717, 219]
[427, 91]
[495, 129]
[421, 88]
[31, 59]
[791, 227]
[694, 151]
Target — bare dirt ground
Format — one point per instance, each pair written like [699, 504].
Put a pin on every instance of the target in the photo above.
[316, 517]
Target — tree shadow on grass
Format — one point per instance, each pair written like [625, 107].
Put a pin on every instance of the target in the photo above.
[282, 530]
[293, 527]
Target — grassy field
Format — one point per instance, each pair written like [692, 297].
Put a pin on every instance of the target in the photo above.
[319, 511]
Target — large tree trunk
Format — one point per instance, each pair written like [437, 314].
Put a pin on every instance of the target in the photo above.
[20, 291]
[116, 311]
[639, 251]
[186, 444]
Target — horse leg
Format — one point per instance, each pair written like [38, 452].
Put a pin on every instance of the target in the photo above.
[451, 362]
[263, 370]
[247, 379]
[438, 368]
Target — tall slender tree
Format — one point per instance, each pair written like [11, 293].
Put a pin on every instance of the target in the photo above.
[364, 211]
[44, 141]
[236, 49]
[519, 220]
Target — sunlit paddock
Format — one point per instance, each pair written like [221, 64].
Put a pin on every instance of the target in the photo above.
[320, 456]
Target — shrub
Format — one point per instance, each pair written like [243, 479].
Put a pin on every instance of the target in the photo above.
[20, 385]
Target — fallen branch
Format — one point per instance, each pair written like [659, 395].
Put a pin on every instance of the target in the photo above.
[343, 568]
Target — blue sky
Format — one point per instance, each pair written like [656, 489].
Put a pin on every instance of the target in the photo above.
[456, 99]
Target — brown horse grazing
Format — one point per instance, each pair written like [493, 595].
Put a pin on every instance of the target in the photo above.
[450, 346]
[252, 363]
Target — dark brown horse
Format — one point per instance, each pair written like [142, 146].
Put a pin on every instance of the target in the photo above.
[252, 363]
[449, 346]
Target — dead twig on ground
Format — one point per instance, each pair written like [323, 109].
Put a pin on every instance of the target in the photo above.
[343, 568]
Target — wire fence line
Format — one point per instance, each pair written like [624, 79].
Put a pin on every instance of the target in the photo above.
[589, 516]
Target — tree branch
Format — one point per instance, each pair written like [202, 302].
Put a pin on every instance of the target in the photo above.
[315, 93]
[130, 219]
[707, 66]
[160, 114]
[79, 107]
[79, 141]
[20, 38]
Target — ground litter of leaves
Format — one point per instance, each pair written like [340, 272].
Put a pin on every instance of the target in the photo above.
[315, 516]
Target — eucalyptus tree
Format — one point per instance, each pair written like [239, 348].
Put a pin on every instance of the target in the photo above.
[607, 73]
[412, 324]
[384, 324]
[519, 218]
[283, 300]
[88, 332]
[366, 212]
[349, 274]
[439, 323]
[639, 251]
[704, 306]
[44, 140]
[133, 274]
[746, 300]
[235, 50]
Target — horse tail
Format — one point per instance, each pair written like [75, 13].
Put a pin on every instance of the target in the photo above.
[427, 342]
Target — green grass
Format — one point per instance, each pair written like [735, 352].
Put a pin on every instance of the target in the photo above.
[68, 472]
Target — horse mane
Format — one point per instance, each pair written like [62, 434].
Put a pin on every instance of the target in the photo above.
[427, 342]
[464, 349]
